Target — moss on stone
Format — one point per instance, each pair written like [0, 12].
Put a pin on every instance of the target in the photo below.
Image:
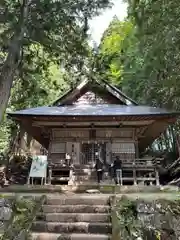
[139, 219]
[24, 211]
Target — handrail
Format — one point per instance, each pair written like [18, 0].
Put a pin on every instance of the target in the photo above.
[11, 231]
[173, 164]
[142, 161]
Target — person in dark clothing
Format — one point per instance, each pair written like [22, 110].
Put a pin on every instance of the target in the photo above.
[99, 168]
[117, 170]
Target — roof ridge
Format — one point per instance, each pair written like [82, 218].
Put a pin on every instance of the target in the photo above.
[85, 82]
[120, 92]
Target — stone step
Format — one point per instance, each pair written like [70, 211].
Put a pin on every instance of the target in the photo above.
[54, 236]
[81, 173]
[78, 200]
[84, 166]
[74, 217]
[85, 171]
[75, 209]
[60, 178]
[85, 178]
[77, 227]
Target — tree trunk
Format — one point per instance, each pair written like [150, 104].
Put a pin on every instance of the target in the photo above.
[5, 88]
[10, 66]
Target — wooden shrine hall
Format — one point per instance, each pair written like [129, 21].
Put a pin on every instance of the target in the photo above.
[96, 117]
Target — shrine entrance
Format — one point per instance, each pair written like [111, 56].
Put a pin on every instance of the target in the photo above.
[91, 150]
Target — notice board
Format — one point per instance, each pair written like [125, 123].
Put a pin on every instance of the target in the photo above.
[38, 167]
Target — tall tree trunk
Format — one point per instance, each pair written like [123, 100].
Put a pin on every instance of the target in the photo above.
[10, 66]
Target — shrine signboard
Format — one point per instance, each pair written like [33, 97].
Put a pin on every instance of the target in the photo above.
[38, 167]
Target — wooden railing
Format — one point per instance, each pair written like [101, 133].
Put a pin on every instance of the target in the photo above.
[142, 170]
[142, 162]
[138, 166]
[138, 162]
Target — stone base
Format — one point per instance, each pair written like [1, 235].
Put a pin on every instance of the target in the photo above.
[83, 187]
[82, 236]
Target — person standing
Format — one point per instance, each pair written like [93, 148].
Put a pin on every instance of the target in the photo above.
[118, 170]
[99, 168]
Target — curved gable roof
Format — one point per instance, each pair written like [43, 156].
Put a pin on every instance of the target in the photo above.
[100, 87]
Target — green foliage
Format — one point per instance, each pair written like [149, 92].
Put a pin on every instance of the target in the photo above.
[110, 58]
[145, 47]
[24, 212]
[4, 136]
[33, 89]
[57, 28]
[46, 46]
[151, 73]
[141, 56]
[127, 225]
[157, 28]
[127, 222]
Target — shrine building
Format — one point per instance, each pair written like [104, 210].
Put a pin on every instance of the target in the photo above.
[96, 117]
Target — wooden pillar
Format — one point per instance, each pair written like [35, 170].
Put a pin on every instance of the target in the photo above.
[121, 178]
[157, 177]
[49, 160]
[157, 173]
[76, 153]
[108, 153]
[69, 151]
[134, 176]
[136, 148]
[50, 175]
[134, 162]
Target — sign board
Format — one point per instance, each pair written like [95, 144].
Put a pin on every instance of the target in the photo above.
[72, 133]
[38, 167]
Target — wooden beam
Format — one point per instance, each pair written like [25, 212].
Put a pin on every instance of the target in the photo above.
[88, 124]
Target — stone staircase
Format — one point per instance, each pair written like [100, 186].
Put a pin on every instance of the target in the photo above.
[74, 217]
[85, 174]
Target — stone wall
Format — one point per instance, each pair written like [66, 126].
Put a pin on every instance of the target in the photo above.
[144, 220]
[161, 216]
[16, 216]
[5, 212]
